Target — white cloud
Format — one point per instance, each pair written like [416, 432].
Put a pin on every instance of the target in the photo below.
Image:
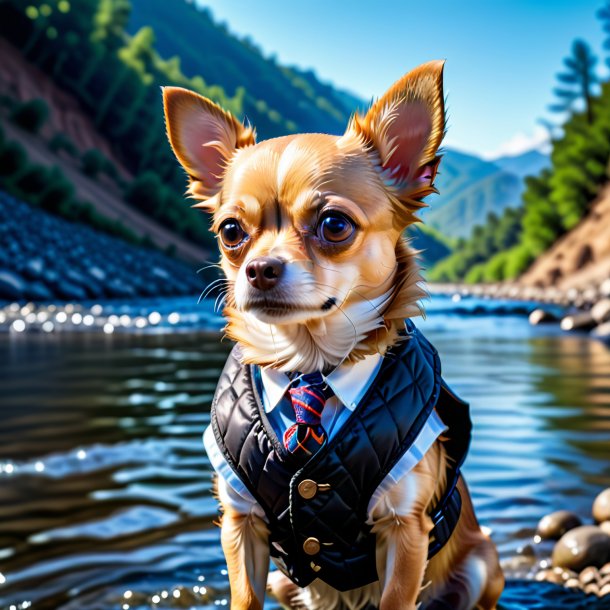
[521, 142]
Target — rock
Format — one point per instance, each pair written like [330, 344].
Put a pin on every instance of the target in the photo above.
[601, 506]
[526, 551]
[604, 590]
[555, 525]
[601, 311]
[549, 576]
[602, 332]
[573, 583]
[541, 316]
[12, 285]
[581, 547]
[33, 268]
[588, 575]
[68, 290]
[37, 291]
[605, 569]
[578, 321]
[591, 589]
[97, 273]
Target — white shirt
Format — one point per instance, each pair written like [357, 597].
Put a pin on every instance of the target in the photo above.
[349, 384]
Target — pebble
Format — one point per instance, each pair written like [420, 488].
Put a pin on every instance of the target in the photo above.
[541, 316]
[605, 526]
[583, 546]
[578, 321]
[555, 525]
[601, 311]
[601, 506]
[63, 260]
[591, 589]
[589, 575]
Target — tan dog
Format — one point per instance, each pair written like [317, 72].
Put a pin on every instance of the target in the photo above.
[310, 227]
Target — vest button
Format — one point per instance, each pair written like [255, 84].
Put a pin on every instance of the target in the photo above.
[307, 489]
[311, 546]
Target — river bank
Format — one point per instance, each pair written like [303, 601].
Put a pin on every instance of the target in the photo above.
[573, 309]
[44, 258]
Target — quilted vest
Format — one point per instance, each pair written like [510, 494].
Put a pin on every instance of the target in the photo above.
[317, 513]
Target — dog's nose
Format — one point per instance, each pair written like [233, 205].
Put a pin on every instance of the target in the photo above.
[264, 272]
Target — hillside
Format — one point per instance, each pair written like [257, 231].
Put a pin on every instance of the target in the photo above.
[207, 48]
[581, 258]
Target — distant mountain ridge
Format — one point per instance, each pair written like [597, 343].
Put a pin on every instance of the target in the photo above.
[470, 188]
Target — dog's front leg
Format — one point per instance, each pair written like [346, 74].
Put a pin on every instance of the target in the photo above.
[405, 561]
[244, 541]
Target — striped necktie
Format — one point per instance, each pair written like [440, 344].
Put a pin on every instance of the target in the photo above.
[307, 435]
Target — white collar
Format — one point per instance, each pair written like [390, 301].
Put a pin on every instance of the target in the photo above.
[349, 382]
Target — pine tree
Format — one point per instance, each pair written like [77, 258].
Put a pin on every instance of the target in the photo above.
[578, 80]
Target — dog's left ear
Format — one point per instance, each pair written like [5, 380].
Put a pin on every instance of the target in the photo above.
[404, 130]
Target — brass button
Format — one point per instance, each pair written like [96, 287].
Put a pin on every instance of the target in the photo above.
[311, 546]
[307, 489]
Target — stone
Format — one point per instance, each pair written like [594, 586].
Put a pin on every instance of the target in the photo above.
[573, 583]
[12, 285]
[37, 291]
[604, 590]
[589, 575]
[541, 316]
[578, 321]
[601, 311]
[605, 526]
[33, 268]
[601, 506]
[602, 332]
[581, 547]
[555, 525]
[591, 589]
[605, 569]
[68, 290]
[549, 576]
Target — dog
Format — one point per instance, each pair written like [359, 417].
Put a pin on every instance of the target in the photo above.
[319, 281]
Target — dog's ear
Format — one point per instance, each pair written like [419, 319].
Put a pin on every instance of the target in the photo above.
[404, 130]
[204, 138]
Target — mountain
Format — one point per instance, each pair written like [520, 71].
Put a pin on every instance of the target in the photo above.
[207, 48]
[470, 188]
[529, 163]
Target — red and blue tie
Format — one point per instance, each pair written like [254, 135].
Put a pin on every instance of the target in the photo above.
[307, 435]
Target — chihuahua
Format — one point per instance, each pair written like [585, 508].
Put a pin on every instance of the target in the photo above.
[320, 281]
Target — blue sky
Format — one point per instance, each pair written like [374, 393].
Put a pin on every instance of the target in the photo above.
[502, 56]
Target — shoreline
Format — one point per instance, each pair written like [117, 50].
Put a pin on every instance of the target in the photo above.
[586, 310]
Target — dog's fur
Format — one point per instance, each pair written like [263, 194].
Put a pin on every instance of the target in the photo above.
[334, 303]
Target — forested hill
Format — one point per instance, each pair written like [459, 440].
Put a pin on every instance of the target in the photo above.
[277, 99]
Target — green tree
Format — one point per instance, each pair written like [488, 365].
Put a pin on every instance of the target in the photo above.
[577, 81]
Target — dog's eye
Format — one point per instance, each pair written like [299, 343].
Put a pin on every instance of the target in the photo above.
[231, 233]
[335, 228]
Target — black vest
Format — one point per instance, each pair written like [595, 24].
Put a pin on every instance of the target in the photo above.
[317, 513]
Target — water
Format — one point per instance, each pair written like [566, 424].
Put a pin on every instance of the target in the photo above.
[105, 491]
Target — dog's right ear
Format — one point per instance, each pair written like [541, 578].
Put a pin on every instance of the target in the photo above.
[204, 138]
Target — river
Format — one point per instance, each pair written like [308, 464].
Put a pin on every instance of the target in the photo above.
[105, 490]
